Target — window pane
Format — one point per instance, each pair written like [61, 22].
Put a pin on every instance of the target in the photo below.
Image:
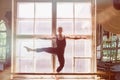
[119, 43]
[25, 10]
[83, 65]
[82, 10]
[83, 48]
[43, 27]
[64, 10]
[68, 56]
[3, 35]
[43, 10]
[25, 27]
[3, 42]
[118, 57]
[2, 26]
[83, 27]
[24, 65]
[35, 61]
[43, 59]
[3, 39]
[67, 25]
[2, 53]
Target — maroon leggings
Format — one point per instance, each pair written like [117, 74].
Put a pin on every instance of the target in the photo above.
[58, 51]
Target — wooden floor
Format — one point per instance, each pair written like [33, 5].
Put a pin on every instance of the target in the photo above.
[53, 77]
[5, 75]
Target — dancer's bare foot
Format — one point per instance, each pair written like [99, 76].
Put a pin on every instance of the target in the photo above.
[28, 49]
[56, 77]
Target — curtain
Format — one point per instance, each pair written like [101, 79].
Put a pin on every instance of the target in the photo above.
[109, 17]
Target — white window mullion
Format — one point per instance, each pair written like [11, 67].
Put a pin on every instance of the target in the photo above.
[54, 4]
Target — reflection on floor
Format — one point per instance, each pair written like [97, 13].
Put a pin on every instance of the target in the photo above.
[57, 77]
[5, 75]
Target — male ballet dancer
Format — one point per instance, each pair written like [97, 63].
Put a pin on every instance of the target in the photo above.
[59, 50]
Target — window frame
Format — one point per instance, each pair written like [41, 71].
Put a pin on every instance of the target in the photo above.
[4, 46]
[54, 17]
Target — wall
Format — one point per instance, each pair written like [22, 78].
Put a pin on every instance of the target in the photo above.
[5, 5]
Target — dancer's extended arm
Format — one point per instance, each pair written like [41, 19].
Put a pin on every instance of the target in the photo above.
[75, 37]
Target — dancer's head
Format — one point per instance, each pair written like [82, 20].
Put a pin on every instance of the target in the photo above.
[60, 30]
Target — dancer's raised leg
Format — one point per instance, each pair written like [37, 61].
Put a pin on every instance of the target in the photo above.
[48, 50]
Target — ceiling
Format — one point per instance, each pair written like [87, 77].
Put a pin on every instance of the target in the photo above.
[108, 16]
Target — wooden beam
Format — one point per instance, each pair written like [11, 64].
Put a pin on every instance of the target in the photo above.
[59, 74]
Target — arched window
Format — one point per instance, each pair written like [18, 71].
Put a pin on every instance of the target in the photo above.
[3, 35]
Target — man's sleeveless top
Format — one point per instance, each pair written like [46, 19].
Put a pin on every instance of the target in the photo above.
[61, 44]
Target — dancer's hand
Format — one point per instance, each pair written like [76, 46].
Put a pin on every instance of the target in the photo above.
[83, 37]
